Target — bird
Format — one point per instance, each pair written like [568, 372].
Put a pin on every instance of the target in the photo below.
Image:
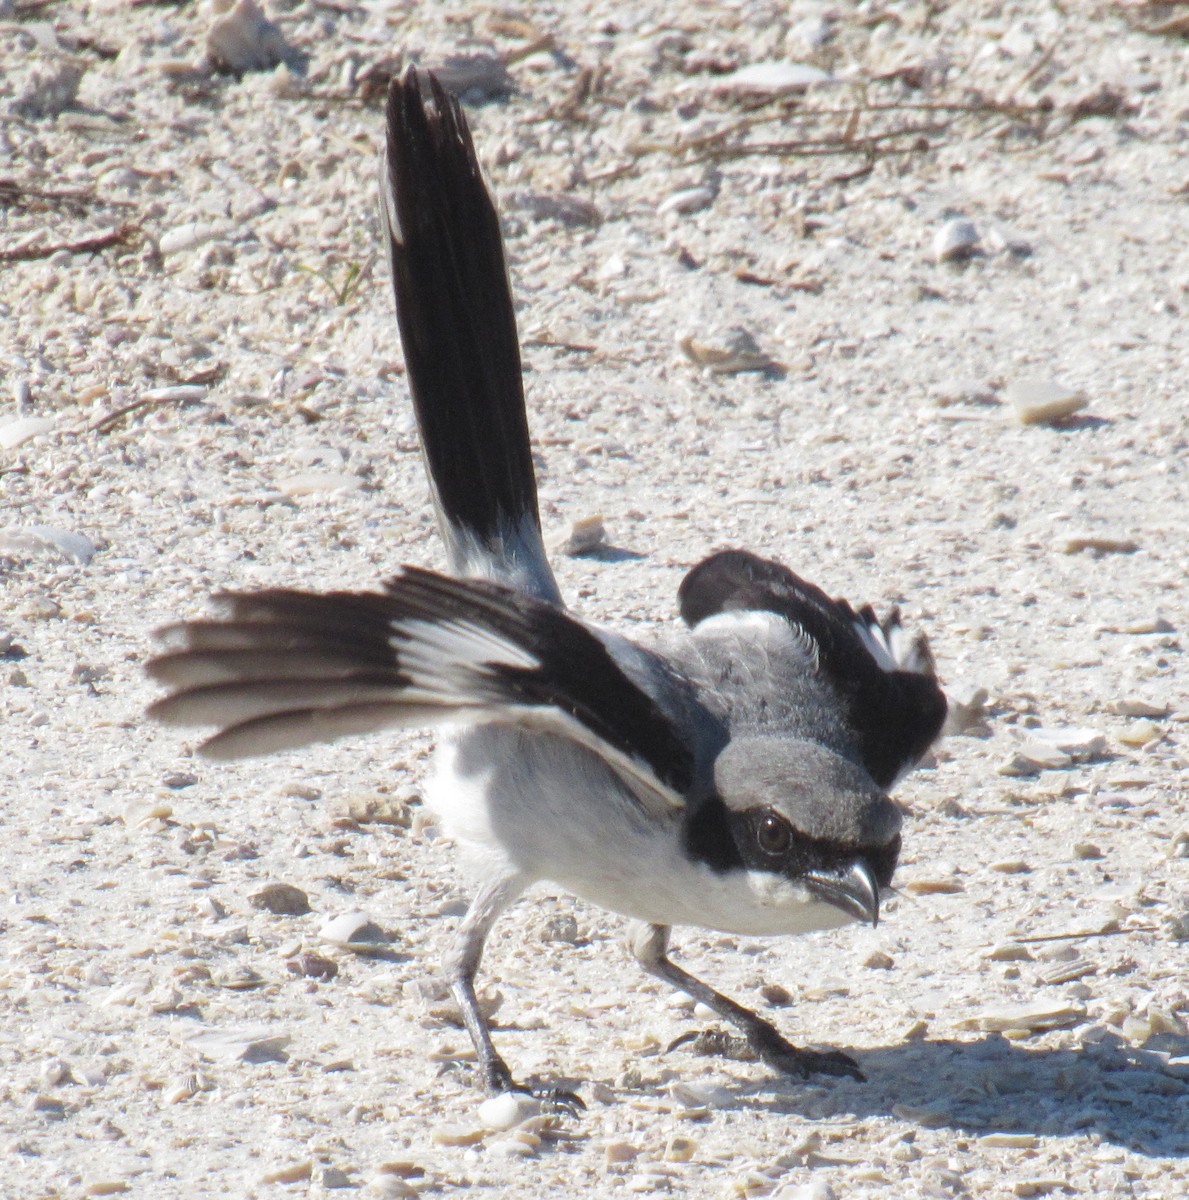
[731, 773]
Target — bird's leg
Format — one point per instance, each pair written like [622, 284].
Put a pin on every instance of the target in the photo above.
[461, 964]
[650, 944]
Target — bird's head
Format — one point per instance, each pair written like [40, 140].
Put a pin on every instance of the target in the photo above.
[813, 838]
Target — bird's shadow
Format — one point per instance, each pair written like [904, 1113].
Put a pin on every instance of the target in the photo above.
[997, 1086]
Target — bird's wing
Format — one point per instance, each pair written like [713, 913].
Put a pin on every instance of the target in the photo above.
[884, 678]
[282, 669]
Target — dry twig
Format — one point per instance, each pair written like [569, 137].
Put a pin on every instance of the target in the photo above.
[102, 240]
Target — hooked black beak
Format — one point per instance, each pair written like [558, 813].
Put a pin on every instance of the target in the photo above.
[853, 889]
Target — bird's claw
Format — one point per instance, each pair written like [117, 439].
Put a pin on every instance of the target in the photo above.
[768, 1047]
[499, 1080]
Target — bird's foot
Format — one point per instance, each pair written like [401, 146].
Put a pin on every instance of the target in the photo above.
[764, 1044]
[497, 1079]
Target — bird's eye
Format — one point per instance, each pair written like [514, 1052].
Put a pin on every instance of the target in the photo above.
[773, 834]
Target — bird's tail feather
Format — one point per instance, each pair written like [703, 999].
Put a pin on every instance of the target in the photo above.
[458, 329]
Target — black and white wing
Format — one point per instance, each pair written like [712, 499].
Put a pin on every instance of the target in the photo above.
[283, 669]
[883, 677]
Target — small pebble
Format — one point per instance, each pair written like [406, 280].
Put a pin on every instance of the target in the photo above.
[776, 995]
[877, 960]
[53, 1072]
[966, 709]
[391, 1187]
[41, 608]
[1039, 1187]
[507, 1110]
[355, 930]
[378, 809]
[293, 1172]
[457, 1135]
[680, 1149]
[561, 927]
[284, 899]
[1150, 625]
[312, 966]
[816, 1189]
[934, 887]
[620, 1152]
[1011, 866]
[1001, 239]
[1043, 402]
[1141, 733]
[955, 241]
[1086, 850]
[475, 76]
[511, 1147]
[1009, 952]
[1134, 706]
[48, 1106]
[569, 210]
[587, 534]
[1098, 544]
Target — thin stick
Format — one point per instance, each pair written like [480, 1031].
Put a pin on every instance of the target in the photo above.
[89, 245]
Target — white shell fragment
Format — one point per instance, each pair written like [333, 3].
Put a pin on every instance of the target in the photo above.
[241, 38]
[1036, 1018]
[49, 88]
[23, 429]
[772, 79]
[507, 1110]
[354, 930]
[313, 483]
[955, 241]
[293, 1172]
[457, 1135]
[475, 77]
[1043, 402]
[1080, 744]
[688, 200]
[191, 234]
[586, 534]
[32, 540]
[733, 351]
[248, 1043]
[1031, 757]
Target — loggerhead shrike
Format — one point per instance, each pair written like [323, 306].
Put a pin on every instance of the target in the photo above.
[733, 775]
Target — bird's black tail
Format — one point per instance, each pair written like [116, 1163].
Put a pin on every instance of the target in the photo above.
[458, 329]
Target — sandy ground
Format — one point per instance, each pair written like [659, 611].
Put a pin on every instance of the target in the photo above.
[1021, 1012]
